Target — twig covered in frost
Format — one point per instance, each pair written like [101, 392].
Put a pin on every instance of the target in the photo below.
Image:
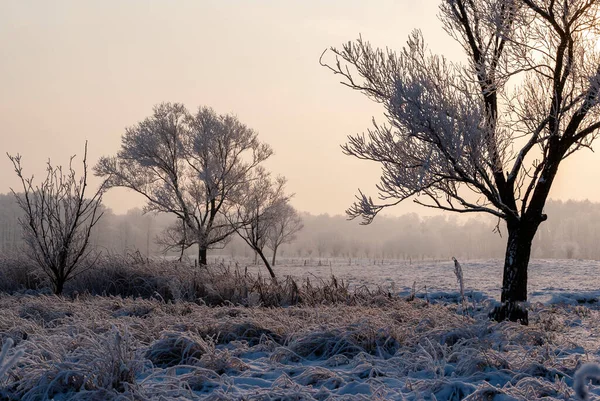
[584, 373]
[459, 277]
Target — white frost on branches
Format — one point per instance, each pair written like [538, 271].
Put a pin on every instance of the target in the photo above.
[194, 166]
[453, 127]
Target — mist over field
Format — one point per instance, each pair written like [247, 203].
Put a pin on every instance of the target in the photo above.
[571, 232]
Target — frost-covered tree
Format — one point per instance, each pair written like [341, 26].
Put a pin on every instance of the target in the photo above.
[191, 165]
[488, 135]
[58, 218]
[286, 224]
[258, 212]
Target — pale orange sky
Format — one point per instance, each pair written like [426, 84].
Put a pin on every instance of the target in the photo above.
[77, 70]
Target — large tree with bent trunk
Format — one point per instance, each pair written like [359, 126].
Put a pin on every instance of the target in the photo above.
[194, 166]
[487, 135]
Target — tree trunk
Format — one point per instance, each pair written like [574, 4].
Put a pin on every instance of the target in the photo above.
[514, 281]
[58, 286]
[274, 253]
[202, 256]
[266, 262]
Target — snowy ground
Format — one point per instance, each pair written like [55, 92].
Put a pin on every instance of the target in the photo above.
[103, 348]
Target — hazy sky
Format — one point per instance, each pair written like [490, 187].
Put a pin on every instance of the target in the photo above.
[77, 70]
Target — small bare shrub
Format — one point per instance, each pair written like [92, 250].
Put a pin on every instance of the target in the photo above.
[58, 220]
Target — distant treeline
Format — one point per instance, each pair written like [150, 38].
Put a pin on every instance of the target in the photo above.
[115, 233]
[571, 231]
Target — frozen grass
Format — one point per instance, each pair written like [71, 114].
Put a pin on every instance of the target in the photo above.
[20, 274]
[138, 330]
[547, 278]
[110, 348]
[232, 282]
[133, 276]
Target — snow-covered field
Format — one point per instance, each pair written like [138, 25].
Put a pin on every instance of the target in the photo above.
[104, 348]
[549, 280]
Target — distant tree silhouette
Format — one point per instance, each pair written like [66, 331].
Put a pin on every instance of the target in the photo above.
[257, 214]
[286, 224]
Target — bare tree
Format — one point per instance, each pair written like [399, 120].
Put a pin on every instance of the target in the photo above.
[488, 136]
[257, 213]
[58, 220]
[286, 224]
[193, 166]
